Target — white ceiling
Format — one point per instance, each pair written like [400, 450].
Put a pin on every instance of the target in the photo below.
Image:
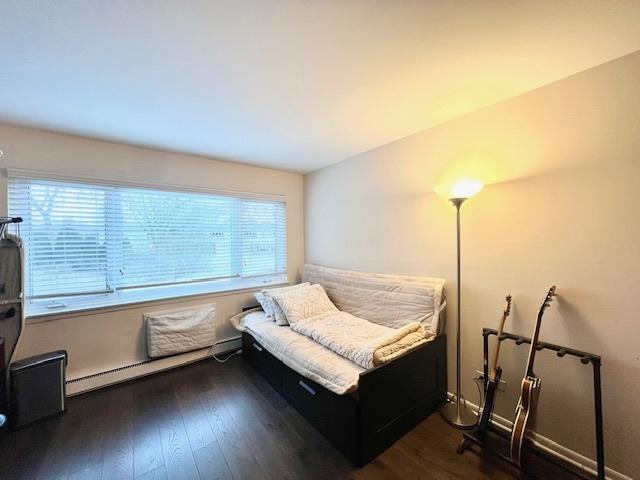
[295, 85]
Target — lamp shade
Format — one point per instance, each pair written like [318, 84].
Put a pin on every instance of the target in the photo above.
[462, 188]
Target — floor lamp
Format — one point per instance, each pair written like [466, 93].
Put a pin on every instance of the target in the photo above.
[455, 413]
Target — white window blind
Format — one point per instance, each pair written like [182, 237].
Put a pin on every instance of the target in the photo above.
[97, 241]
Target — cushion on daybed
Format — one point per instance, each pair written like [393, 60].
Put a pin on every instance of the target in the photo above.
[389, 300]
[303, 303]
[271, 307]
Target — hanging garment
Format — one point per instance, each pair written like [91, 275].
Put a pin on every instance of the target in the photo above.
[11, 306]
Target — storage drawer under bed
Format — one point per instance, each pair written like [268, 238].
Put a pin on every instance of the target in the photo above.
[260, 359]
[333, 415]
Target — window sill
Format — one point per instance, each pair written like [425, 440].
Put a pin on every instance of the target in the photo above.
[39, 313]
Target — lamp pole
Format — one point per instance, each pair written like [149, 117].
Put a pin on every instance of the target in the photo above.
[456, 414]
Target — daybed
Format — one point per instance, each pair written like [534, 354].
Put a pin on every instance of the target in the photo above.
[360, 411]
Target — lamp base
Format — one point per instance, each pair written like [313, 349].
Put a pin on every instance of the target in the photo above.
[466, 420]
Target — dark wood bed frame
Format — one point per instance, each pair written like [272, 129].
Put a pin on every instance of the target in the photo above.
[391, 399]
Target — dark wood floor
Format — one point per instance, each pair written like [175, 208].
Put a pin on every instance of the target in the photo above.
[213, 421]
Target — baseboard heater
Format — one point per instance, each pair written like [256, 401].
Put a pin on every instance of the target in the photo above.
[125, 373]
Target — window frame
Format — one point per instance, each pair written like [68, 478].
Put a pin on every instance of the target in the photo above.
[129, 297]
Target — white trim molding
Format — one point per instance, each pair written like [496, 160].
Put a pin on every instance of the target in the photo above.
[25, 173]
[583, 464]
[76, 386]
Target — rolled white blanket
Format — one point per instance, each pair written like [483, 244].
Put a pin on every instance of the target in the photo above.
[361, 341]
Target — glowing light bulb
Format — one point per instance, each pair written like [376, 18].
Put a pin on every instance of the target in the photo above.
[462, 188]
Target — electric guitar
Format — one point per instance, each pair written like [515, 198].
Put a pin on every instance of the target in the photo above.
[494, 378]
[525, 411]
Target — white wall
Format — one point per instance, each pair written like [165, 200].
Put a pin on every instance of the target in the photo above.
[565, 165]
[114, 337]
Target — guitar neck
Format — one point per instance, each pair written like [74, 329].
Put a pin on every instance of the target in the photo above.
[494, 366]
[532, 349]
[536, 332]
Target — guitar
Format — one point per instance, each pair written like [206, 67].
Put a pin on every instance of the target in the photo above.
[494, 378]
[525, 411]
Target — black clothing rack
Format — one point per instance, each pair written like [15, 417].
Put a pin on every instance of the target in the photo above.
[585, 358]
[5, 221]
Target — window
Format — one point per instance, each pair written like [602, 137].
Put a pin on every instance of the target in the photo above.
[92, 245]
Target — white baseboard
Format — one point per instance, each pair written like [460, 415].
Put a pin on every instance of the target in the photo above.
[76, 386]
[582, 463]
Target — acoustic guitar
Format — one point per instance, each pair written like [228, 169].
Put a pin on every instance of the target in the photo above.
[494, 378]
[525, 411]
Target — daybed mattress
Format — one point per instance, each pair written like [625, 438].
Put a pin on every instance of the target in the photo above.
[301, 353]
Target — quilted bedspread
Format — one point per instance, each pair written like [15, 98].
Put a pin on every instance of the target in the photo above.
[301, 353]
[363, 342]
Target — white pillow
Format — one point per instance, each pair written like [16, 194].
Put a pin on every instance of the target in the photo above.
[304, 303]
[262, 300]
[270, 307]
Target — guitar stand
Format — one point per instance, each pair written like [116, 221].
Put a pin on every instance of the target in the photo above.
[585, 358]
